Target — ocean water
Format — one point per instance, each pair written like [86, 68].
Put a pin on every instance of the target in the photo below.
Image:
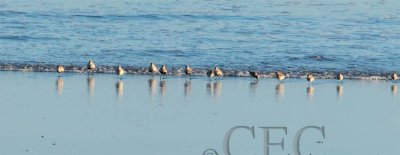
[359, 37]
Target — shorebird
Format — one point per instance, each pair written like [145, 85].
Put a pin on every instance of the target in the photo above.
[340, 77]
[210, 74]
[280, 76]
[218, 72]
[153, 68]
[120, 71]
[310, 78]
[394, 76]
[91, 66]
[163, 70]
[188, 71]
[254, 75]
[60, 69]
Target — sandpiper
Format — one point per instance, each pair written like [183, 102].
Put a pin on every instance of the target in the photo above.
[152, 68]
[310, 78]
[340, 77]
[218, 72]
[188, 71]
[254, 75]
[91, 66]
[60, 69]
[120, 71]
[280, 76]
[163, 70]
[394, 76]
[210, 74]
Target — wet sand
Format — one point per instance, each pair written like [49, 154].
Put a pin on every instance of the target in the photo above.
[78, 114]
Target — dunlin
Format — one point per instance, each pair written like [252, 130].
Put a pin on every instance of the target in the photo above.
[218, 72]
[91, 66]
[280, 76]
[310, 78]
[188, 71]
[120, 71]
[60, 70]
[340, 76]
[394, 76]
[210, 74]
[163, 70]
[254, 75]
[153, 68]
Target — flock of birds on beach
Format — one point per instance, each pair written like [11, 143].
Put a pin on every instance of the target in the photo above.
[212, 73]
[215, 72]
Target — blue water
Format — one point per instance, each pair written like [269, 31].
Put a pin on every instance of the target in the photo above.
[360, 38]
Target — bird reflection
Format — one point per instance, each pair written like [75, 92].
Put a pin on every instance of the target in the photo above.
[217, 88]
[163, 87]
[339, 90]
[188, 87]
[152, 86]
[279, 91]
[214, 89]
[253, 86]
[90, 83]
[59, 86]
[119, 88]
[393, 88]
[210, 88]
[310, 91]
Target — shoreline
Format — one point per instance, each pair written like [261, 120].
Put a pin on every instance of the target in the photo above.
[199, 72]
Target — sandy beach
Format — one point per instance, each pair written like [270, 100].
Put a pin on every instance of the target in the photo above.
[76, 114]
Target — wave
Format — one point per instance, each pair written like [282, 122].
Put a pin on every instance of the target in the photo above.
[197, 71]
[154, 16]
[25, 38]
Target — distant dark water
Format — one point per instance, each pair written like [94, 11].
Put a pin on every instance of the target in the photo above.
[359, 37]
